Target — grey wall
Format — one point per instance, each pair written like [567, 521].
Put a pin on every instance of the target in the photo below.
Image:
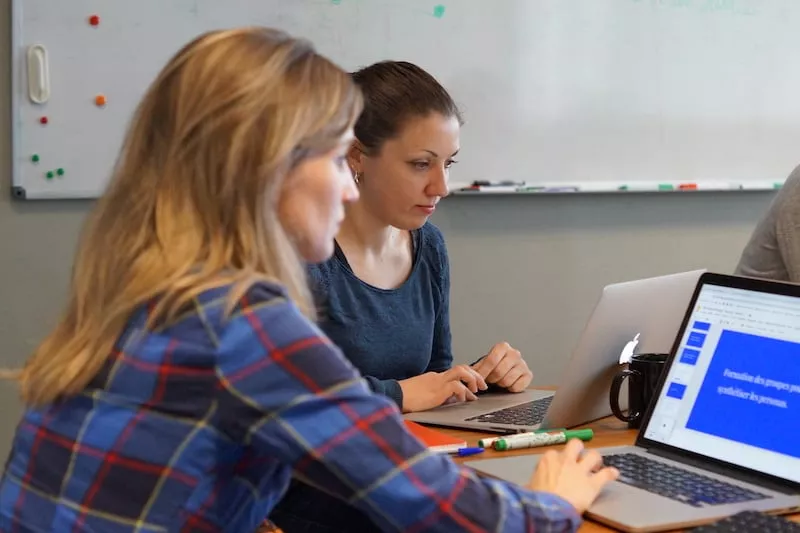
[527, 270]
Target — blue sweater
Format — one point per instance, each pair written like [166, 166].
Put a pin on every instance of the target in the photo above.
[390, 335]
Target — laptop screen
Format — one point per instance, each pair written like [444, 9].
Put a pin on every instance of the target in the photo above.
[733, 389]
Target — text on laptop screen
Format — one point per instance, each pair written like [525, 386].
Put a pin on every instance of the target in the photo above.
[733, 389]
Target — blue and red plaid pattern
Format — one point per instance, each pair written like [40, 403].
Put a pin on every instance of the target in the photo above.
[197, 426]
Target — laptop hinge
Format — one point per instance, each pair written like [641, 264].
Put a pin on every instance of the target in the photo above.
[788, 487]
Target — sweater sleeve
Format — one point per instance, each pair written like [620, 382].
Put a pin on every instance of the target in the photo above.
[787, 227]
[773, 250]
[292, 397]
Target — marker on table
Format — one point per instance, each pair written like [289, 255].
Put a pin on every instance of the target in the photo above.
[463, 452]
[543, 439]
[488, 442]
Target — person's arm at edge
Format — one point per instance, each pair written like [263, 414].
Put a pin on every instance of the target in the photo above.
[279, 377]
[787, 228]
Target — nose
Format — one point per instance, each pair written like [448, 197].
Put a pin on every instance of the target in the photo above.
[438, 185]
[349, 191]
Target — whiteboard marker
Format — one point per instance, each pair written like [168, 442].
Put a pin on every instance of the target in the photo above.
[542, 439]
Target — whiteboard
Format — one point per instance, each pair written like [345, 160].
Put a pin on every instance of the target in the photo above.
[553, 91]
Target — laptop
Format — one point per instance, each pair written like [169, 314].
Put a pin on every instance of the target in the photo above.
[723, 432]
[642, 315]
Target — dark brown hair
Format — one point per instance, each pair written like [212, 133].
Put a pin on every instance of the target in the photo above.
[395, 92]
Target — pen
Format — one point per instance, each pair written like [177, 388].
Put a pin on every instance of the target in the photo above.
[463, 452]
[488, 442]
[543, 439]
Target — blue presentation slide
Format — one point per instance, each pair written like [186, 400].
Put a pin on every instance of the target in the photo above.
[696, 339]
[751, 393]
[689, 356]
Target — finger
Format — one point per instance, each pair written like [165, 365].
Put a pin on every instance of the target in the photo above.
[604, 476]
[500, 371]
[591, 461]
[550, 456]
[465, 375]
[462, 393]
[479, 380]
[511, 377]
[486, 365]
[472, 379]
[522, 382]
[572, 450]
[451, 399]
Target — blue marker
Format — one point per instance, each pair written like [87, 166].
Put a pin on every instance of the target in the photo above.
[463, 452]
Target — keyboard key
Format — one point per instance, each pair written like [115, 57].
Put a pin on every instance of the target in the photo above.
[676, 483]
[524, 414]
[749, 522]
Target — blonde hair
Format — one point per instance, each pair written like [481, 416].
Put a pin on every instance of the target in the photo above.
[192, 202]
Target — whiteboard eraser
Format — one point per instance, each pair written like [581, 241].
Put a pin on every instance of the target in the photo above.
[38, 74]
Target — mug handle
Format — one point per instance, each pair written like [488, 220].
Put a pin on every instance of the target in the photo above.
[616, 385]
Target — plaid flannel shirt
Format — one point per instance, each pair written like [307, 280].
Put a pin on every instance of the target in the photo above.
[198, 426]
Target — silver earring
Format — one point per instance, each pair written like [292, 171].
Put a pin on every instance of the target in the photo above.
[357, 177]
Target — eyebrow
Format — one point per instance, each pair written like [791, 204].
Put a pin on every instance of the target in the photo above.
[434, 154]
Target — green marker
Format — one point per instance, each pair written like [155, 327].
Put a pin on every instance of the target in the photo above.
[665, 187]
[60, 171]
[543, 439]
[50, 174]
[35, 158]
[438, 11]
[487, 443]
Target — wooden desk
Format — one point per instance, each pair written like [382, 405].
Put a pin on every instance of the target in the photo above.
[607, 432]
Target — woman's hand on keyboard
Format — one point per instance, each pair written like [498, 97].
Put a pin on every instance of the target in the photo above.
[432, 389]
[575, 477]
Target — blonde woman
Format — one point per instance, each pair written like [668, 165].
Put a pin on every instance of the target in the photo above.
[186, 382]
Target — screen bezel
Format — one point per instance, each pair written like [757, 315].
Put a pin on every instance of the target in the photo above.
[726, 281]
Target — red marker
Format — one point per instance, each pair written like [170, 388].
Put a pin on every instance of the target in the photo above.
[43, 120]
[94, 20]
[687, 186]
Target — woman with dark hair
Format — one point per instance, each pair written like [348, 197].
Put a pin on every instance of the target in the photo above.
[383, 297]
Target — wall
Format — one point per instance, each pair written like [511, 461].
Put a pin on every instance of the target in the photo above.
[527, 270]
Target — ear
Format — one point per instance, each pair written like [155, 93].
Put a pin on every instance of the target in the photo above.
[355, 157]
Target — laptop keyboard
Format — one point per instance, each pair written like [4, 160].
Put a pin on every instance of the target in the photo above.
[748, 522]
[676, 483]
[524, 414]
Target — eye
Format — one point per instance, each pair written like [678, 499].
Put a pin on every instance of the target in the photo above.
[450, 163]
[420, 165]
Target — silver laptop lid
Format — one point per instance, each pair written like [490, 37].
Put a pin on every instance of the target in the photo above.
[639, 316]
[731, 390]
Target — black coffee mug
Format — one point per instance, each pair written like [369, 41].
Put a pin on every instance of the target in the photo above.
[644, 371]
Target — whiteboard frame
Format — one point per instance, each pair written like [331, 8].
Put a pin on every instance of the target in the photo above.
[18, 83]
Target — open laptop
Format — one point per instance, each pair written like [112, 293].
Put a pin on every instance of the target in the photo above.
[723, 433]
[642, 315]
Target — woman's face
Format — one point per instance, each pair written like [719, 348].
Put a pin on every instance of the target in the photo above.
[311, 206]
[404, 180]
